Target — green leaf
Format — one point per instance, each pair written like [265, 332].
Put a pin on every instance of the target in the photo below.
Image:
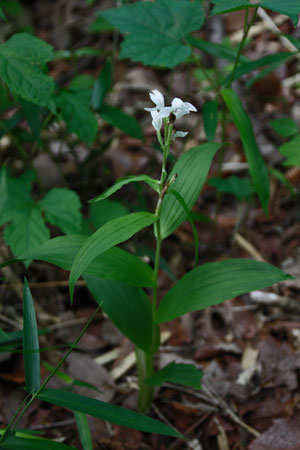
[283, 179]
[240, 187]
[291, 150]
[215, 283]
[210, 118]
[84, 430]
[128, 307]
[22, 62]
[156, 30]
[191, 169]
[16, 443]
[2, 15]
[285, 127]
[30, 343]
[106, 411]
[62, 208]
[257, 166]
[185, 374]
[27, 230]
[102, 212]
[218, 50]
[114, 264]
[112, 233]
[31, 113]
[102, 85]
[225, 6]
[289, 8]
[74, 107]
[125, 180]
[99, 25]
[114, 116]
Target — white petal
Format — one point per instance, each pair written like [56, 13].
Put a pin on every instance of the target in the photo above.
[177, 103]
[150, 109]
[165, 112]
[190, 106]
[179, 112]
[156, 122]
[157, 98]
[180, 134]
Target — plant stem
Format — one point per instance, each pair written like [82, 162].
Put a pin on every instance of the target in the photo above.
[145, 369]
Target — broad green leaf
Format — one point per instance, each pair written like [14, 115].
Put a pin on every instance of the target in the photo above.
[99, 25]
[156, 30]
[289, 8]
[285, 127]
[16, 443]
[215, 283]
[102, 212]
[114, 116]
[84, 430]
[112, 233]
[125, 180]
[218, 50]
[114, 264]
[22, 61]
[31, 113]
[102, 85]
[185, 374]
[268, 60]
[30, 343]
[210, 118]
[240, 187]
[128, 307]
[62, 208]
[27, 230]
[74, 107]
[291, 150]
[257, 166]
[191, 169]
[106, 411]
[225, 6]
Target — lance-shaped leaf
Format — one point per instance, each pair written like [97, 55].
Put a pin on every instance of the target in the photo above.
[218, 50]
[216, 282]
[84, 430]
[120, 119]
[114, 264]
[18, 443]
[155, 31]
[185, 374]
[257, 166]
[210, 118]
[30, 343]
[110, 234]
[125, 180]
[191, 170]
[128, 307]
[106, 411]
[22, 62]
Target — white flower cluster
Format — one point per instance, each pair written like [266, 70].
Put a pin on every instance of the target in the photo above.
[178, 108]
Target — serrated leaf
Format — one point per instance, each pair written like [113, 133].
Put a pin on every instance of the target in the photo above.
[285, 126]
[16, 443]
[118, 118]
[156, 30]
[257, 166]
[30, 343]
[120, 182]
[215, 283]
[22, 61]
[27, 231]
[74, 107]
[128, 308]
[106, 411]
[210, 118]
[291, 150]
[191, 169]
[226, 6]
[114, 264]
[185, 374]
[112, 233]
[240, 187]
[62, 208]
[290, 8]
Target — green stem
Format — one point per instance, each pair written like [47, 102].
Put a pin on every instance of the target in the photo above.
[145, 369]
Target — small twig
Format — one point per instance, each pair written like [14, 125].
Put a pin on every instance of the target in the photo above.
[246, 245]
[46, 426]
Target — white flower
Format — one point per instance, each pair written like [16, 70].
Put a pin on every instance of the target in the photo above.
[179, 108]
[158, 99]
[156, 121]
[179, 134]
